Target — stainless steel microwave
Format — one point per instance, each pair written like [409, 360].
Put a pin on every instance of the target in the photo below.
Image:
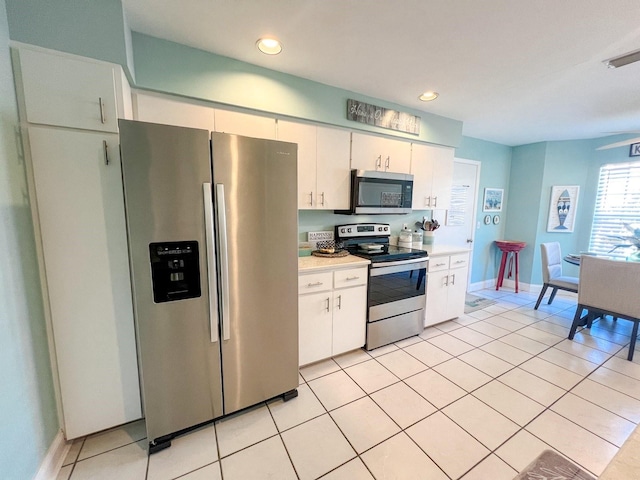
[378, 193]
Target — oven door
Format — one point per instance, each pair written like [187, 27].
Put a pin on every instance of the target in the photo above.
[396, 288]
[381, 192]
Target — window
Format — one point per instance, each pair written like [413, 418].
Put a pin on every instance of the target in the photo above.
[617, 203]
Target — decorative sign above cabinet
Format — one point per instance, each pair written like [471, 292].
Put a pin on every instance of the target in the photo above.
[382, 117]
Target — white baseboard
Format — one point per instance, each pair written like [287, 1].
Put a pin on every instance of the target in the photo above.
[52, 462]
[506, 283]
[522, 287]
[490, 283]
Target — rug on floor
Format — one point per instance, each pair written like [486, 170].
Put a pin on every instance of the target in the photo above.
[551, 465]
[474, 302]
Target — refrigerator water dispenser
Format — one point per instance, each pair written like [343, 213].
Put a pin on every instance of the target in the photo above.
[175, 271]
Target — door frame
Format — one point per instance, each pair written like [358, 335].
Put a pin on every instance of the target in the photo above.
[478, 164]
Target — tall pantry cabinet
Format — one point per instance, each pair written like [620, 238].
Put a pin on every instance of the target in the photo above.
[69, 108]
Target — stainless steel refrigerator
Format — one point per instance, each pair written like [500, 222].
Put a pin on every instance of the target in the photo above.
[213, 230]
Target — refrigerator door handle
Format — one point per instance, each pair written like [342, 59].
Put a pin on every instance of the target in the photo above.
[211, 261]
[223, 260]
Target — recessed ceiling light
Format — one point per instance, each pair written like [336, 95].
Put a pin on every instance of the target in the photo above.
[428, 96]
[269, 45]
[623, 60]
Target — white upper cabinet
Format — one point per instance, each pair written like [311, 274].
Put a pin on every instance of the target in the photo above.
[306, 138]
[65, 91]
[370, 152]
[245, 124]
[323, 164]
[432, 169]
[333, 172]
[160, 109]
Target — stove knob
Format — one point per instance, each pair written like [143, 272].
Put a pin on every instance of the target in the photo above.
[386, 229]
[342, 230]
[349, 230]
[379, 229]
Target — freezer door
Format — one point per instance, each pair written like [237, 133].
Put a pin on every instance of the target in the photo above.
[257, 229]
[166, 171]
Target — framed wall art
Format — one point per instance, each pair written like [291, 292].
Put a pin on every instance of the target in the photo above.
[562, 208]
[493, 198]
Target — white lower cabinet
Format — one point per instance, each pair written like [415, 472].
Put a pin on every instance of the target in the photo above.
[332, 313]
[446, 287]
[80, 207]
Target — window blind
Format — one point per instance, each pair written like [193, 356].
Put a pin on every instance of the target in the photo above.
[617, 203]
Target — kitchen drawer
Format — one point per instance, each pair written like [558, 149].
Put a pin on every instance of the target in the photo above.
[437, 264]
[315, 282]
[350, 277]
[458, 261]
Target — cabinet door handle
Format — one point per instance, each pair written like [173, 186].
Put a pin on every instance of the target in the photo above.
[328, 304]
[311, 201]
[435, 201]
[105, 147]
[446, 281]
[461, 261]
[348, 279]
[339, 302]
[426, 201]
[379, 162]
[317, 284]
[102, 117]
[387, 163]
[322, 203]
[453, 279]
[439, 264]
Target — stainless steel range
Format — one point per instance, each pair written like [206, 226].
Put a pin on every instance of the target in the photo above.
[397, 282]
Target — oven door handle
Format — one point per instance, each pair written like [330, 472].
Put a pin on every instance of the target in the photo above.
[386, 268]
[400, 262]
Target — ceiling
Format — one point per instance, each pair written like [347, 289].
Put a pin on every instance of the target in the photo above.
[513, 71]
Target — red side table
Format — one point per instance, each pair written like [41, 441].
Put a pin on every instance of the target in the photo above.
[507, 247]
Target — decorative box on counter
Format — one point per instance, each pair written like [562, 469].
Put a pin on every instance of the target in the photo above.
[304, 249]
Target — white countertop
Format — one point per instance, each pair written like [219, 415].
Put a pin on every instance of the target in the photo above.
[437, 250]
[312, 263]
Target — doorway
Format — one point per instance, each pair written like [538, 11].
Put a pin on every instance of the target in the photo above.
[458, 223]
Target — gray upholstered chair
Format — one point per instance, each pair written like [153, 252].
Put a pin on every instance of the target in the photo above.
[608, 287]
[552, 272]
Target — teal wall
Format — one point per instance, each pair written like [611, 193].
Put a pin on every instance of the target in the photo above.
[494, 172]
[95, 28]
[525, 183]
[565, 163]
[535, 169]
[28, 418]
[319, 220]
[170, 67]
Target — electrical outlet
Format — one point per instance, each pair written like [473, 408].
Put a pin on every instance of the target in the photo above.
[319, 236]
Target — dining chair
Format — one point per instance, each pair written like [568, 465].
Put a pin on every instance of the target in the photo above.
[552, 272]
[608, 287]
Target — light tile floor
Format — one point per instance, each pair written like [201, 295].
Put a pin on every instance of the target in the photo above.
[478, 397]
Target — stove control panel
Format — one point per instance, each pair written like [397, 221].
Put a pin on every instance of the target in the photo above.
[363, 230]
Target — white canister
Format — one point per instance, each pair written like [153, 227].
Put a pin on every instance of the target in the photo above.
[416, 239]
[404, 240]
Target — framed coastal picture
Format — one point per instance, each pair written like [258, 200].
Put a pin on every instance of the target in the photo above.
[493, 198]
[562, 208]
